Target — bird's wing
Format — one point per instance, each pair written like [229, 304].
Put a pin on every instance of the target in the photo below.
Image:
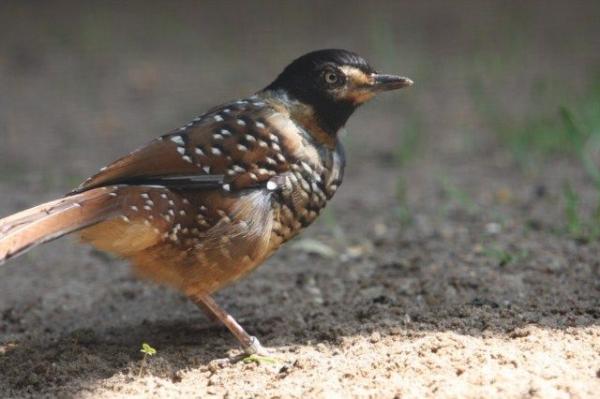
[234, 146]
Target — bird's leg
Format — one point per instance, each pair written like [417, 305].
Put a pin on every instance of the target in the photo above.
[250, 344]
[206, 310]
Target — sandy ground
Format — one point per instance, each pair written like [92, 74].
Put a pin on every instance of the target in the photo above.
[390, 306]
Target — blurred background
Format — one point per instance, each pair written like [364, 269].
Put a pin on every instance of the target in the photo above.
[507, 81]
[478, 185]
[496, 81]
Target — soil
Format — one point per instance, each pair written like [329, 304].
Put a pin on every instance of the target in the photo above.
[464, 286]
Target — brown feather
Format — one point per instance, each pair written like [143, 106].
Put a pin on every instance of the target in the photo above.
[51, 220]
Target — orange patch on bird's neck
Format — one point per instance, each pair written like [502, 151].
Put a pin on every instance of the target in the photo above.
[304, 116]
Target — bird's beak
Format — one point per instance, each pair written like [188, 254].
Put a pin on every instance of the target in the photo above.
[383, 82]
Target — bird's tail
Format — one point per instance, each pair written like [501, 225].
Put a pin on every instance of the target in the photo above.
[29, 228]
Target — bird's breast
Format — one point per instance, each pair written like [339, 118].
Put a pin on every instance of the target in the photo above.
[305, 191]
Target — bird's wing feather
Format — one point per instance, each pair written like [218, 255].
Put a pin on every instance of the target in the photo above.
[232, 146]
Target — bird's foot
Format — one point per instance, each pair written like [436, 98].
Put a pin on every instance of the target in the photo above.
[256, 353]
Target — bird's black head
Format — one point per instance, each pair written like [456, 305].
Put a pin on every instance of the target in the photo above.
[334, 83]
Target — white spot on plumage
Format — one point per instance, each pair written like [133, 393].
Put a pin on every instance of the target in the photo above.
[217, 136]
[125, 219]
[271, 185]
[112, 194]
[206, 169]
[163, 196]
[144, 195]
[281, 158]
[171, 203]
[270, 161]
[304, 185]
[226, 187]
[225, 132]
[182, 212]
[262, 143]
[177, 140]
[250, 137]
[238, 168]
[149, 202]
[276, 147]
[306, 167]
[273, 137]
[171, 212]
[241, 122]
[181, 150]
[253, 176]
[134, 208]
[148, 208]
[215, 151]
[187, 159]
[185, 201]
[260, 125]
[218, 118]
[224, 216]
[198, 151]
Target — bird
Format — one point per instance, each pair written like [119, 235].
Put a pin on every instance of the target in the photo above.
[205, 204]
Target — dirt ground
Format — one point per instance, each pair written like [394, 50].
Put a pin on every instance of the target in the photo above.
[440, 272]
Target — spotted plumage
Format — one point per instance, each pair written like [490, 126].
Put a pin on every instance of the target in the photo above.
[204, 204]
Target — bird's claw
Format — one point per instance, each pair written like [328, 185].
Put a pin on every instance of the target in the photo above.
[256, 353]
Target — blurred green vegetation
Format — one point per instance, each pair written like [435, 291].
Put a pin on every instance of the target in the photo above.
[503, 256]
[570, 130]
[578, 225]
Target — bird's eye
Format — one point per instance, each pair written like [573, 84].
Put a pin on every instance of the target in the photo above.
[331, 77]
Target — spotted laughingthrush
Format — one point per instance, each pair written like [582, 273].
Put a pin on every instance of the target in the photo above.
[205, 204]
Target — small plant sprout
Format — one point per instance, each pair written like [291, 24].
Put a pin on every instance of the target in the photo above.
[259, 359]
[147, 350]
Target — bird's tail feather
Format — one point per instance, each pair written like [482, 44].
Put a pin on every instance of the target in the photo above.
[29, 228]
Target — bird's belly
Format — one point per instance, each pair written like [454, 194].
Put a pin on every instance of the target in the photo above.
[196, 242]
